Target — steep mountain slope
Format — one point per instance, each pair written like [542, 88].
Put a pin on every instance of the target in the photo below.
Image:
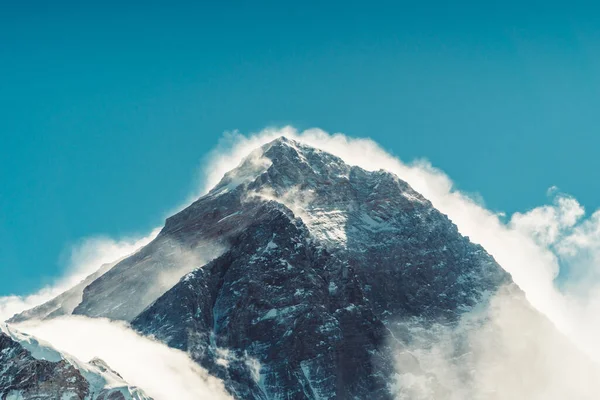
[30, 369]
[134, 283]
[63, 304]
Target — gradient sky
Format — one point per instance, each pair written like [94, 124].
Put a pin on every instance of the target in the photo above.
[106, 111]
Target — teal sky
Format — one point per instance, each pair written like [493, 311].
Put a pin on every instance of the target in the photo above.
[106, 110]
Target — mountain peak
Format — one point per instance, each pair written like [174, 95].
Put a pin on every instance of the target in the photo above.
[294, 162]
[284, 140]
[354, 252]
[296, 243]
[298, 151]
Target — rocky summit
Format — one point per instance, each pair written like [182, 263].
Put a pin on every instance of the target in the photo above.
[292, 277]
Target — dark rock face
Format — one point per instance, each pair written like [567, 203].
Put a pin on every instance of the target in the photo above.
[22, 374]
[268, 300]
[322, 259]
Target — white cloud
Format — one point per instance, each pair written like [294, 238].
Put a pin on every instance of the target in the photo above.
[163, 373]
[547, 223]
[85, 258]
[529, 247]
[510, 354]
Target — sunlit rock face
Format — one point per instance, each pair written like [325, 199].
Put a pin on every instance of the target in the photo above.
[322, 262]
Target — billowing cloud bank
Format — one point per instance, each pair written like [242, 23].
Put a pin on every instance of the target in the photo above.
[509, 352]
[513, 354]
[531, 246]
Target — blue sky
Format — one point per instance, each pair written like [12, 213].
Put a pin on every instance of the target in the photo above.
[106, 110]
